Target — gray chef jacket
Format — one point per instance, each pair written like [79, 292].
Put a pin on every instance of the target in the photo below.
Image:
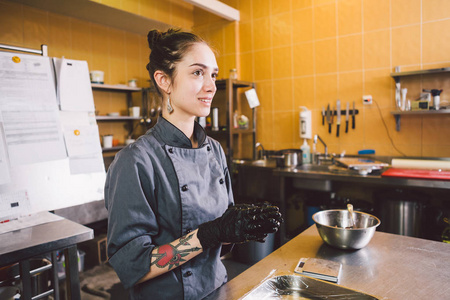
[157, 190]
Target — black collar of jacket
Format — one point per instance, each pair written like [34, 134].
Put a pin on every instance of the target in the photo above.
[173, 136]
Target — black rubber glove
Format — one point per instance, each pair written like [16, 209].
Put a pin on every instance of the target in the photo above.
[267, 220]
[234, 226]
[239, 224]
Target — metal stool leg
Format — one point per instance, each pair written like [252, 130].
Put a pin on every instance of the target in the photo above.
[54, 276]
[26, 279]
[72, 279]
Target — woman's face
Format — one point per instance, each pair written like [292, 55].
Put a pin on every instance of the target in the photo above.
[194, 83]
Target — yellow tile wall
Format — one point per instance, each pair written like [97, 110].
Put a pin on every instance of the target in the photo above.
[120, 54]
[313, 52]
[299, 52]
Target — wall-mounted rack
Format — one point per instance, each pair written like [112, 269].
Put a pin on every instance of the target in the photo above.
[399, 113]
[343, 112]
[397, 75]
[43, 51]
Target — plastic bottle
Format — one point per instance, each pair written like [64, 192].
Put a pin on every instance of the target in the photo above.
[314, 154]
[306, 153]
[235, 120]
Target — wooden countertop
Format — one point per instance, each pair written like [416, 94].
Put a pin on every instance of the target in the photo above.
[390, 267]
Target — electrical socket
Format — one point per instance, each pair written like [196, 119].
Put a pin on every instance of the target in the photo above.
[367, 99]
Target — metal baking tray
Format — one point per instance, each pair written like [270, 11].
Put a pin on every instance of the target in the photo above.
[302, 287]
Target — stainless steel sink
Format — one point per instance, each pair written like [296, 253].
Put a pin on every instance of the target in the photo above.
[269, 163]
[265, 163]
[302, 287]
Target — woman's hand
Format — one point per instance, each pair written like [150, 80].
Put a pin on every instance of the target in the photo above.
[239, 224]
[266, 219]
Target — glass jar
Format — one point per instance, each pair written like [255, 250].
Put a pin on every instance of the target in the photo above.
[233, 74]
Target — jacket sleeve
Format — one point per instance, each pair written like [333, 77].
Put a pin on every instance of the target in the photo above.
[131, 219]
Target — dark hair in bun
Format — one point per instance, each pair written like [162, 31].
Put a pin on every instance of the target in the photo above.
[167, 49]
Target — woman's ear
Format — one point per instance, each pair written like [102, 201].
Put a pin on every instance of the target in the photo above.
[162, 80]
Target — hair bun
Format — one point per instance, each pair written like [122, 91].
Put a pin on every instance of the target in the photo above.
[153, 37]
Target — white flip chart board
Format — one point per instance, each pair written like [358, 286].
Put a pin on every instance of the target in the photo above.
[49, 158]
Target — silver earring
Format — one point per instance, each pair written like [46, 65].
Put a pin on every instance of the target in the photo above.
[169, 107]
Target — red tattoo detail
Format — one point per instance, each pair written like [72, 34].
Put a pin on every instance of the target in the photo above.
[169, 255]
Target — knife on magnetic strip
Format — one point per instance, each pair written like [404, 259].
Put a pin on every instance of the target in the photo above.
[323, 115]
[353, 115]
[347, 111]
[329, 118]
[338, 118]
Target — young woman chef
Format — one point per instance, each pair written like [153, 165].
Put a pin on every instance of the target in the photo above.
[169, 194]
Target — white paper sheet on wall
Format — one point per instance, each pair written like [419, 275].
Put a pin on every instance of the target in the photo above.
[74, 85]
[82, 142]
[5, 176]
[29, 110]
[81, 136]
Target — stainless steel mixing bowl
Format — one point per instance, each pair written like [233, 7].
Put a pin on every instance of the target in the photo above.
[333, 228]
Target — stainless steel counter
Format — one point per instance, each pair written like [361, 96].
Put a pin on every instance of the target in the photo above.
[21, 245]
[309, 172]
[332, 173]
[389, 267]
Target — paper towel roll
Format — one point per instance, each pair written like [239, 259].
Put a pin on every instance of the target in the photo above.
[420, 164]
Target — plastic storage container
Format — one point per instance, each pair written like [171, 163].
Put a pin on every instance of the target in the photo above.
[61, 265]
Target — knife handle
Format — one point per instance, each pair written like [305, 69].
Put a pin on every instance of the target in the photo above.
[353, 122]
[346, 126]
[337, 130]
[323, 120]
[329, 128]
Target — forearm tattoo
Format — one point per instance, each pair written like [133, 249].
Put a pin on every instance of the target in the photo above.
[172, 256]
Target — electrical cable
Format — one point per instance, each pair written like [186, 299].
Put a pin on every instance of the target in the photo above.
[387, 130]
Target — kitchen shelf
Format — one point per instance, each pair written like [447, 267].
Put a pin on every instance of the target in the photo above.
[242, 131]
[222, 83]
[235, 131]
[115, 88]
[422, 112]
[397, 114]
[112, 149]
[98, 13]
[232, 101]
[398, 75]
[119, 88]
[119, 118]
